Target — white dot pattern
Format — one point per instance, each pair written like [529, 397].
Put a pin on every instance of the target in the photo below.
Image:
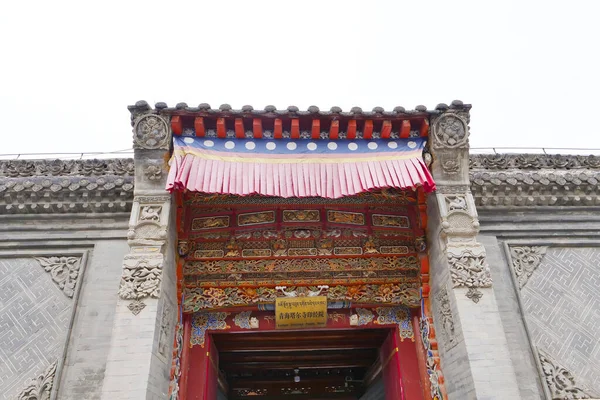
[250, 145]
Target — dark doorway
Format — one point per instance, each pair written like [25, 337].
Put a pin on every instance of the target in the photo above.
[307, 365]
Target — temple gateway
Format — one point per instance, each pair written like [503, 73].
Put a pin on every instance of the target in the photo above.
[300, 255]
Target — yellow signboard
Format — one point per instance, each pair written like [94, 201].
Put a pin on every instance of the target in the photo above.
[300, 312]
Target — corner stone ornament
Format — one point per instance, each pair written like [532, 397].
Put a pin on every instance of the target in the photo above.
[525, 261]
[451, 131]
[560, 381]
[64, 272]
[151, 132]
[40, 388]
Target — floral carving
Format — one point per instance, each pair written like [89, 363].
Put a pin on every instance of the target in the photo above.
[35, 168]
[141, 277]
[176, 374]
[63, 270]
[40, 388]
[469, 270]
[451, 131]
[451, 166]
[400, 316]
[432, 363]
[204, 321]
[151, 132]
[153, 172]
[532, 161]
[560, 381]
[445, 318]
[165, 327]
[136, 307]
[525, 260]
[201, 298]
[245, 321]
[363, 316]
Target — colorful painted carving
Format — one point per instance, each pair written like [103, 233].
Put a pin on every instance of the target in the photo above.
[391, 221]
[263, 217]
[197, 299]
[345, 217]
[301, 216]
[245, 321]
[397, 316]
[204, 321]
[363, 316]
[210, 223]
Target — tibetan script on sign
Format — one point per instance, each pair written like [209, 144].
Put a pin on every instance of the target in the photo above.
[300, 312]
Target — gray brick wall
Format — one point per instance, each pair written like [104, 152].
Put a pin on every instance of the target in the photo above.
[45, 323]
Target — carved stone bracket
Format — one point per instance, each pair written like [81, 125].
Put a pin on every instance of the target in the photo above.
[468, 268]
[64, 272]
[141, 277]
[444, 315]
[40, 387]
[151, 132]
[560, 381]
[458, 214]
[525, 260]
[149, 219]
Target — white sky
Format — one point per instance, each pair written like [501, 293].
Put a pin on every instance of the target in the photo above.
[68, 69]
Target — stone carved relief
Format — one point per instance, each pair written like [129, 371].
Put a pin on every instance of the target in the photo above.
[141, 276]
[444, 312]
[468, 268]
[40, 388]
[165, 328]
[532, 161]
[174, 386]
[151, 132]
[64, 272]
[153, 172]
[150, 213]
[136, 307]
[525, 260]
[451, 131]
[37, 168]
[540, 188]
[458, 214]
[560, 381]
[451, 166]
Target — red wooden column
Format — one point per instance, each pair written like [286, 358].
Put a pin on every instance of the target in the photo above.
[185, 357]
[390, 367]
[409, 369]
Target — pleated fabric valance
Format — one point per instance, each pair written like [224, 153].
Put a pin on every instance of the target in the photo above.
[297, 168]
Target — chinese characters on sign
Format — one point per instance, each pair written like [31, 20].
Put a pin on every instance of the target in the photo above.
[300, 312]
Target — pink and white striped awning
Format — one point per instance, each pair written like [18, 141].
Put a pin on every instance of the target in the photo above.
[297, 168]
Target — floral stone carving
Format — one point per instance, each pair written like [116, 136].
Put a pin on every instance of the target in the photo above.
[451, 132]
[63, 270]
[446, 319]
[560, 381]
[141, 276]
[469, 270]
[151, 132]
[525, 260]
[40, 388]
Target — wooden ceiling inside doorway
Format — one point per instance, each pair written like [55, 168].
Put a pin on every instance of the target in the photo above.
[330, 364]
